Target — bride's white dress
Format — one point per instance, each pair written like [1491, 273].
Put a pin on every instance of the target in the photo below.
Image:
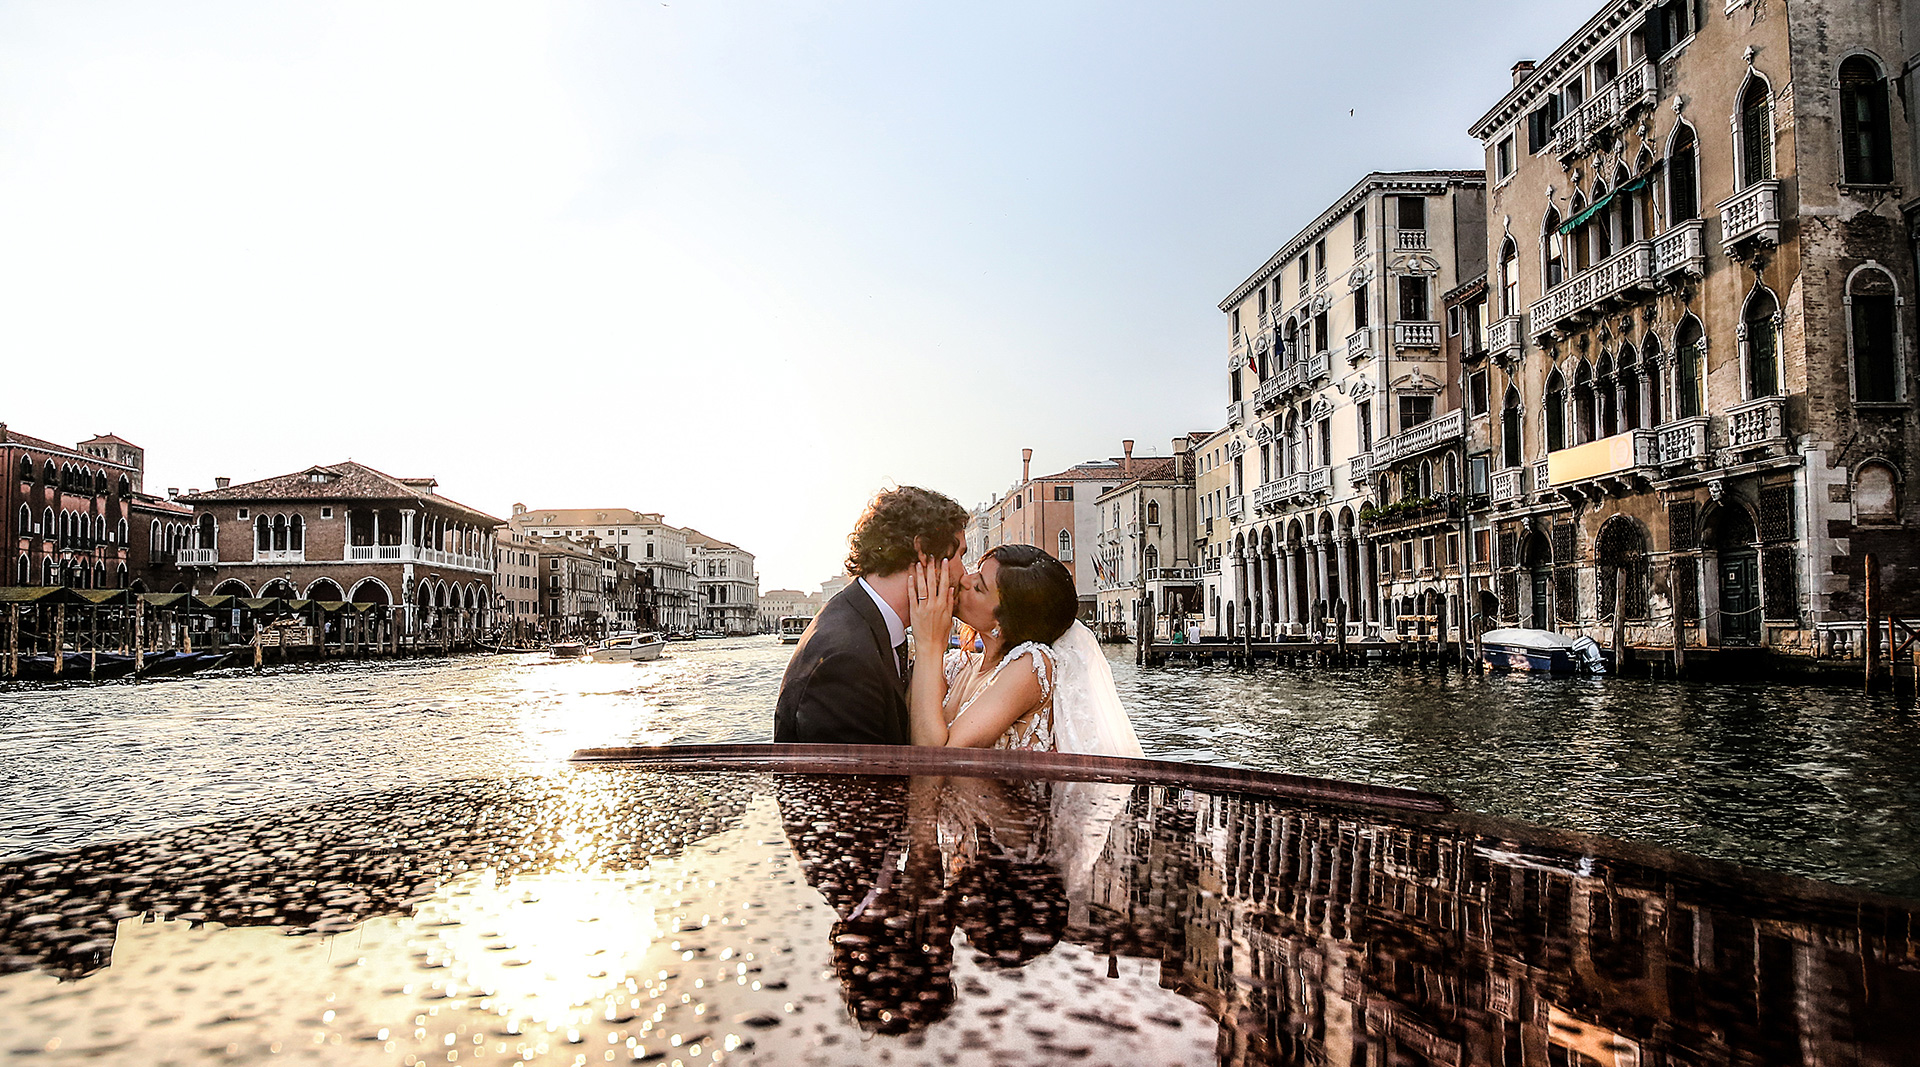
[1080, 710]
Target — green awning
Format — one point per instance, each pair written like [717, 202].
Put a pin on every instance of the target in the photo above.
[164, 600]
[103, 597]
[48, 595]
[1599, 205]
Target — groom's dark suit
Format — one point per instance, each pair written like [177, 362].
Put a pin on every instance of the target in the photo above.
[843, 685]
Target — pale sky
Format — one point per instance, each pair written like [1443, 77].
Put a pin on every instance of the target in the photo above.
[741, 263]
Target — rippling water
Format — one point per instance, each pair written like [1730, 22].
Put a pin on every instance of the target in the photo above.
[1816, 781]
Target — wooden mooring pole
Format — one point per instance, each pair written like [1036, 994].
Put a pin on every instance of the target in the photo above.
[13, 641]
[1871, 638]
[59, 639]
[1619, 621]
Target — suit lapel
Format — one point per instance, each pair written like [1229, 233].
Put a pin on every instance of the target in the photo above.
[869, 613]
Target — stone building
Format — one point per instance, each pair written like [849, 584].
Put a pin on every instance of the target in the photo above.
[658, 550]
[66, 512]
[1702, 333]
[516, 583]
[570, 585]
[1053, 512]
[1145, 544]
[1214, 536]
[777, 604]
[1334, 361]
[725, 585]
[348, 532]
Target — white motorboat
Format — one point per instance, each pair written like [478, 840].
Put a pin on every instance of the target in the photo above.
[628, 648]
[1522, 649]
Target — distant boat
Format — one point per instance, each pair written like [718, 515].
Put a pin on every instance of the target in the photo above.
[570, 650]
[793, 627]
[1520, 649]
[628, 648]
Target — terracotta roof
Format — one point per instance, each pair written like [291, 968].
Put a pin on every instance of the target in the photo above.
[110, 439]
[1151, 469]
[149, 502]
[588, 517]
[10, 436]
[695, 537]
[339, 481]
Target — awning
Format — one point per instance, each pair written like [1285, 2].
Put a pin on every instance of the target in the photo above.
[46, 595]
[1599, 205]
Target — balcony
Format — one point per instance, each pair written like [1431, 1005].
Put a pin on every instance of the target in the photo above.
[1753, 214]
[1359, 344]
[196, 557]
[1236, 413]
[1416, 335]
[1236, 507]
[1507, 337]
[1611, 104]
[1269, 392]
[1757, 424]
[1433, 433]
[1360, 468]
[1320, 278]
[1359, 249]
[1684, 441]
[1173, 574]
[1301, 373]
[1410, 240]
[1541, 481]
[279, 555]
[1305, 485]
[1681, 250]
[375, 553]
[1267, 497]
[1509, 486]
[1411, 514]
[1594, 291]
[1615, 462]
[1211, 566]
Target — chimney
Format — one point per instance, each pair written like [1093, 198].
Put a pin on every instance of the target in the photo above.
[222, 483]
[1126, 465]
[1521, 70]
[1026, 464]
[173, 494]
[193, 492]
[1180, 457]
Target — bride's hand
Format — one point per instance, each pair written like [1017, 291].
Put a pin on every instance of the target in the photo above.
[932, 607]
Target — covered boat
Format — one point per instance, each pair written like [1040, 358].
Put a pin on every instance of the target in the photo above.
[1522, 649]
[628, 648]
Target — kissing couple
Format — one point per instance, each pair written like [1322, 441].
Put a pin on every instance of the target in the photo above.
[1039, 682]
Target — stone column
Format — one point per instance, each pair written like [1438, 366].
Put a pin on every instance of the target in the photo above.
[1343, 549]
[1363, 554]
[1283, 572]
[1240, 589]
[406, 529]
[1271, 563]
[1296, 588]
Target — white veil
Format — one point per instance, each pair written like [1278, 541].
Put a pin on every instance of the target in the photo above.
[1088, 718]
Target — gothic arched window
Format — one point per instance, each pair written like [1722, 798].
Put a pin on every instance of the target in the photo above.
[1866, 142]
[1873, 337]
[1762, 346]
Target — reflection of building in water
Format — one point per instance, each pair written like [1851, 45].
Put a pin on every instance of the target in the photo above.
[1332, 938]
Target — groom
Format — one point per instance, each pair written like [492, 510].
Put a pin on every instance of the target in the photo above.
[847, 681]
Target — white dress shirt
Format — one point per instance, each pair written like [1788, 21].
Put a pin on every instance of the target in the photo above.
[896, 630]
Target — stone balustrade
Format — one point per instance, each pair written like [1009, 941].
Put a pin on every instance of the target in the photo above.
[1751, 214]
[1590, 291]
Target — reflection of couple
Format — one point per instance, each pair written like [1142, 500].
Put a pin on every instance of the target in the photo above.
[1039, 681]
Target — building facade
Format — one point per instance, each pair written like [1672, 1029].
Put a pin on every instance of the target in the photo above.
[658, 551]
[1146, 545]
[516, 584]
[726, 587]
[67, 513]
[570, 586]
[1214, 536]
[348, 532]
[1702, 342]
[1334, 364]
[777, 604]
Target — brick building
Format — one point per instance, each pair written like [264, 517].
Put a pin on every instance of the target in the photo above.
[1701, 331]
[1054, 512]
[66, 512]
[348, 532]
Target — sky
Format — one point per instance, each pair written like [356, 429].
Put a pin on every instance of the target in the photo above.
[743, 264]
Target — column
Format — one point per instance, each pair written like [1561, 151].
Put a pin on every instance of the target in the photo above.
[1364, 551]
[1295, 589]
[406, 529]
[1320, 554]
[1342, 548]
[1240, 589]
[1283, 572]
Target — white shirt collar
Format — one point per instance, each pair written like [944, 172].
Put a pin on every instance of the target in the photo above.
[896, 630]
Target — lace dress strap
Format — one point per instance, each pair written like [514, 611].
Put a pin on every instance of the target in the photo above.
[955, 661]
[1042, 668]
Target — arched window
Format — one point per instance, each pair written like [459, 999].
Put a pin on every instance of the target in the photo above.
[1876, 495]
[153, 537]
[26, 522]
[262, 534]
[1762, 345]
[1582, 248]
[1687, 378]
[1066, 545]
[1453, 475]
[1553, 251]
[126, 486]
[1873, 336]
[22, 571]
[1509, 278]
[48, 531]
[1599, 229]
[1153, 513]
[206, 532]
[26, 472]
[1629, 389]
[1756, 132]
[1153, 557]
[1585, 422]
[1605, 399]
[1683, 178]
[1290, 347]
[1556, 412]
[297, 534]
[1426, 479]
[1653, 371]
[1866, 142]
[1510, 429]
[1290, 456]
[50, 476]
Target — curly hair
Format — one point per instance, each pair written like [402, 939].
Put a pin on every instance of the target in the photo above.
[901, 523]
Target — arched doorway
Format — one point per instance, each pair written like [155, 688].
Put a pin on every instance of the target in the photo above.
[325, 589]
[1537, 558]
[1739, 561]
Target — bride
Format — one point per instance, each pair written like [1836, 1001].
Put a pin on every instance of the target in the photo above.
[1040, 681]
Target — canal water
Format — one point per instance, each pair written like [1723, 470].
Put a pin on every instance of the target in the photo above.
[1818, 782]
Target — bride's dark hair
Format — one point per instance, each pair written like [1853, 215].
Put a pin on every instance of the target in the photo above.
[1037, 598]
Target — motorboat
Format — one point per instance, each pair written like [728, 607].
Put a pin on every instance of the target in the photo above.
[794, 627]
[1523, 649]
[628, 647]
[570, 650]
